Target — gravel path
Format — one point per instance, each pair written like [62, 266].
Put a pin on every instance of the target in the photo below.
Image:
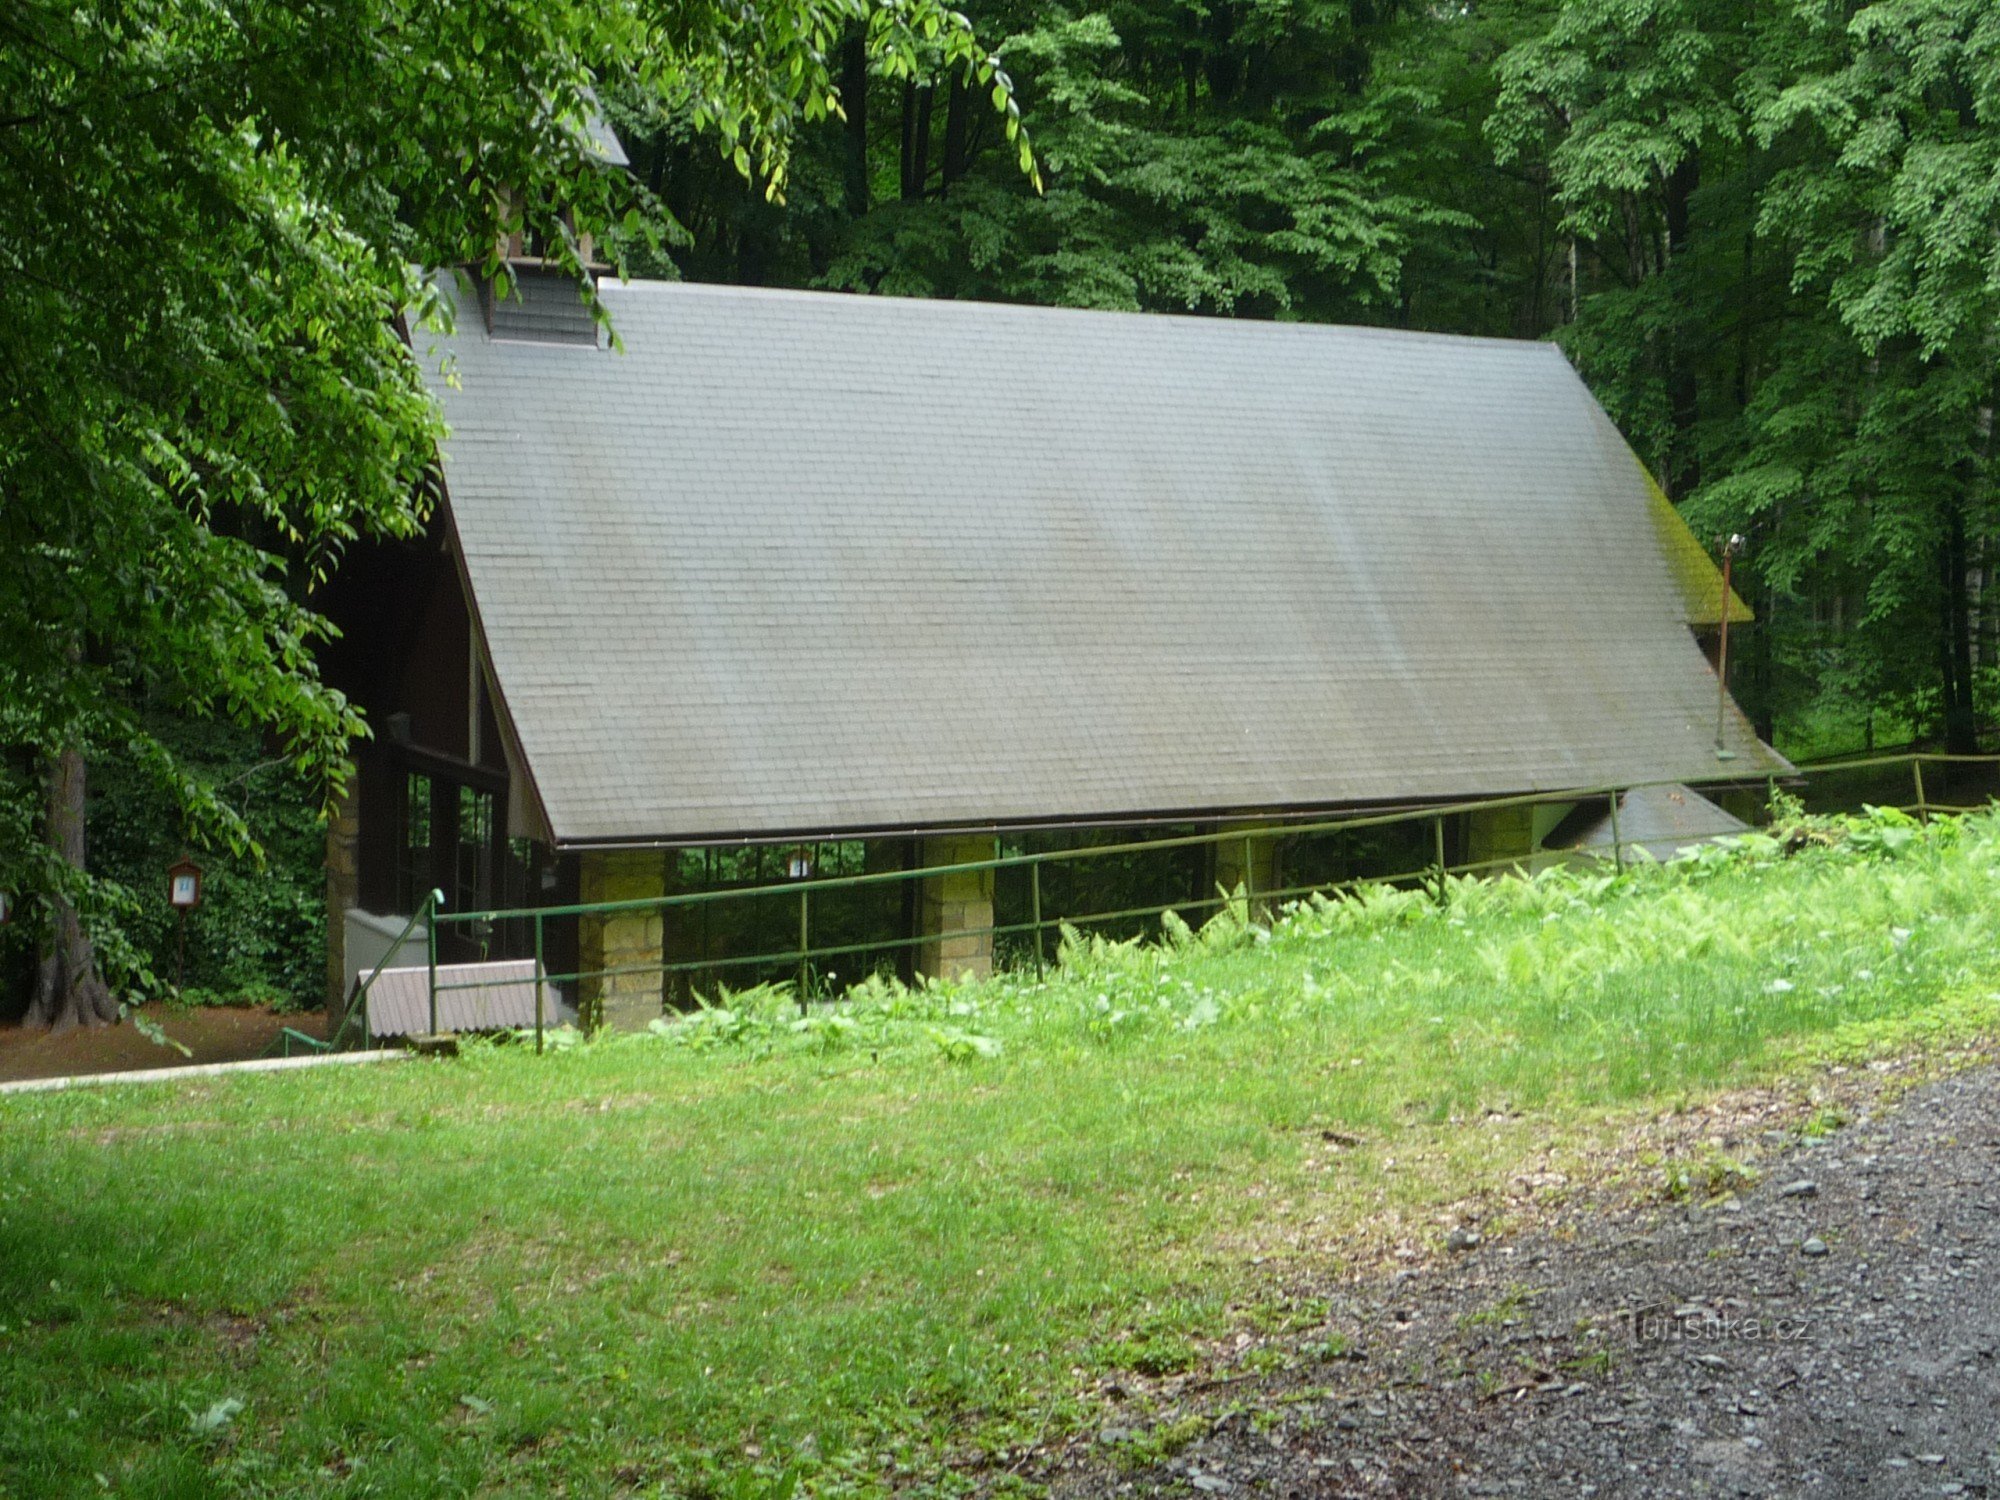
[1832, 1330]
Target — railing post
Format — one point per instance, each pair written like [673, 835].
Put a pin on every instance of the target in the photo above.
[1035, 899]
[539, 984]
[804, 920]
[1917, 768]
[1617, 838]
[431, 904]
[1437, 830]
[1249, 878]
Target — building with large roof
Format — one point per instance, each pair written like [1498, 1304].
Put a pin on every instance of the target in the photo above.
[783, 566]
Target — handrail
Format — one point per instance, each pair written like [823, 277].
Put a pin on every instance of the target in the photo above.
[1898, 758]
[281, 1044]
[1249, 828]
[358, 1002]
[1251, 824]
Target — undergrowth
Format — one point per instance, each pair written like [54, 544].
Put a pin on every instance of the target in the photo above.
[884, 1245]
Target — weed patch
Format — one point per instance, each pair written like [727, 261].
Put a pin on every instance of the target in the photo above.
[753, 1254]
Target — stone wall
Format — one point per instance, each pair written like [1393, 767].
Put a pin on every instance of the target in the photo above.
[955, 912]
[622, 1002]
[343, 888]
[1500, 834]
[1248, 859]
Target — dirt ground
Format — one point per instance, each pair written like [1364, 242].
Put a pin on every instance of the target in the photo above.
[219, 1033]
[1831, 1327]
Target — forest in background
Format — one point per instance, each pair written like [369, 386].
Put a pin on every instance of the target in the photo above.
[1767, 234]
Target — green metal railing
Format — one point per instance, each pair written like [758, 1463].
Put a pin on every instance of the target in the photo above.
[800, 957]
[357, 1005]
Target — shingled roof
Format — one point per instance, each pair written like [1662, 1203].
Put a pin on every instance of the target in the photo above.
[793, 562]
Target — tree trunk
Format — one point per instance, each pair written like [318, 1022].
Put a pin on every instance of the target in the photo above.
[1961, 729]
[68, 989]
[956, 111]
[1684, 462]
[854, 100]
[917, 100]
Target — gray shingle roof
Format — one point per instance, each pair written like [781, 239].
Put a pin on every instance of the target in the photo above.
[795, 562]
[1662, 820]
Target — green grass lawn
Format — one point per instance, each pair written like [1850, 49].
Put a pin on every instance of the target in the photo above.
[866, 1248]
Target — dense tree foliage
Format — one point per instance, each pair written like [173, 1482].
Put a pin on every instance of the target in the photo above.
[1768, 235]
[215, 219]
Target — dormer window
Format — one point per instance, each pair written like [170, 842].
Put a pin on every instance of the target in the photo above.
[545, 304]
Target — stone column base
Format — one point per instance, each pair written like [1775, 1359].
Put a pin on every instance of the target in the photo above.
[1249, 858]
[955, 912]
[343, 888]
[635, 939]
[1497, 835]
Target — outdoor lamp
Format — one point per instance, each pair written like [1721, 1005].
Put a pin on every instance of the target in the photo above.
[6, 907]
[1729, 551]
[184, 885]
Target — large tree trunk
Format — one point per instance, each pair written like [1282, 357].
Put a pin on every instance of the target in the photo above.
[957, 121]
[917, 104]
[1683, 392]
[68, 990]
[854, 100]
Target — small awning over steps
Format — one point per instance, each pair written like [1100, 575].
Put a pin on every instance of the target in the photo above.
[499, 995]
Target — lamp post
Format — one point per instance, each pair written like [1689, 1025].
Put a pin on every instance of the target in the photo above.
[183, 895]
[1722, 654]
[800, 867]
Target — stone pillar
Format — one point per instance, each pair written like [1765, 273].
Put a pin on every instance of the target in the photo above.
[343, 888]
[955, 912]
[1500, 834]
[1248, 858]
[623, 1002]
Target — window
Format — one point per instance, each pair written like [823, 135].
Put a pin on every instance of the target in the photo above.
[413, 848]
[472, 868]
[447, 843]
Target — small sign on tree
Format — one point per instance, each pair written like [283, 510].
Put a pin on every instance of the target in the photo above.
[184, 885]
[183, 895]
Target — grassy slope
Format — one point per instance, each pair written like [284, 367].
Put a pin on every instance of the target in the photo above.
[848, 1248]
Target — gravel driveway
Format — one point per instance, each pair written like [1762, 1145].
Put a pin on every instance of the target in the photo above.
[1832, 1330]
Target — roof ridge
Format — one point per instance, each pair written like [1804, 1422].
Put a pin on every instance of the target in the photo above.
[953, 306]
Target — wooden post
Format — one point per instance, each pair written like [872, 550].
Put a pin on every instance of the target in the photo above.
[1617, 838]
[539, 984]
[1437, 829]
[1917, 767]
[431, 943]
[1035, 896]
[804, 920]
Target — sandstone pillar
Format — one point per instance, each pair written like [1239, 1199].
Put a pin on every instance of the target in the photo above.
[1248, 858]
[955, 912]
[621, 940]
[343, 889]
[1495, 836]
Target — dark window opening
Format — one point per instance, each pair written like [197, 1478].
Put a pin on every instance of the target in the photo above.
[413, 849]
